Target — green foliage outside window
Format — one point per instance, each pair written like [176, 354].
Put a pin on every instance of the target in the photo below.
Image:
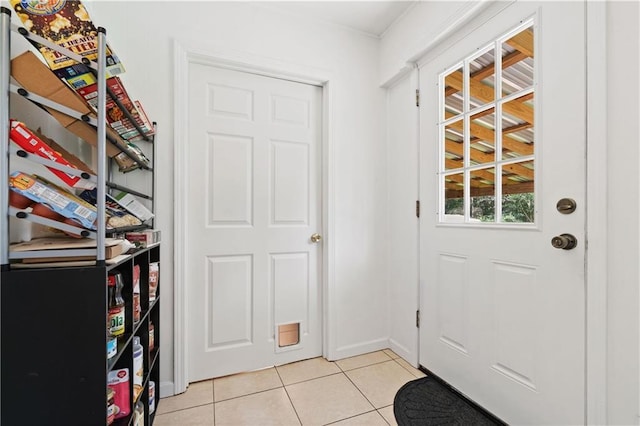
[516, 208]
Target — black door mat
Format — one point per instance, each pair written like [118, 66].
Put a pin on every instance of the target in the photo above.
[427, 402]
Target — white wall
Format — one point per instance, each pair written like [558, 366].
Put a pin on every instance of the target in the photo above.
[402, 247]
[623, 69]
[142, 34]
[419, 29]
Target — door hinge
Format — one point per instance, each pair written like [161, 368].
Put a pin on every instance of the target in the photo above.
[418, 318]
[417, 97]
[417, 208]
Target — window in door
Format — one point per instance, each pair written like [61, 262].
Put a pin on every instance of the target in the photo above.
[486, 128]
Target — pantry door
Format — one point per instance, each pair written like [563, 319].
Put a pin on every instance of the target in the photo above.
[254, 191]
[502, 142]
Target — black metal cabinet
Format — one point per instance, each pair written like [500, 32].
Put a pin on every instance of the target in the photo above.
[54, 362]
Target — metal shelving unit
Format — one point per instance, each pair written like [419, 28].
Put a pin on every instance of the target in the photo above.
[53, 320]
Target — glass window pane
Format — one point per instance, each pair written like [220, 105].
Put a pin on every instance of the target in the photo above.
[483, 195]
[517, 62]
[482, 79]
[453, 197]
[454, 145]
[517, 127]
[517, 192]
[483, 136]
[453, 93]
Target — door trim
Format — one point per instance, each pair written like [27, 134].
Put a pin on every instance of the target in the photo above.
[596, 264]
[186, 53]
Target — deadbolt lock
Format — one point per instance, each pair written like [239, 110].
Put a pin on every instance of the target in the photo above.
[564, 242]
[566, 205]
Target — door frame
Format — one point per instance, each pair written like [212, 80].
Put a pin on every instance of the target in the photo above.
[186, 53]
[596, 235]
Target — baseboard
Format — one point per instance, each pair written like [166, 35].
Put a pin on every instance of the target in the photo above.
[167, 389]
[360, 348]
[403, 352]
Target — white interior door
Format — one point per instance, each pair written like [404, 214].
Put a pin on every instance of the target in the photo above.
[254, 202]
[503, 312]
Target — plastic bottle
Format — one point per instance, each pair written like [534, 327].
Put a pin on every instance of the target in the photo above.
[152, 397]
[116, 305]
[137, 308]
[138, 367]
[138, 415]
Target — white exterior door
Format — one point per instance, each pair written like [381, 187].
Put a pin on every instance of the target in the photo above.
[254, 202]
[502, 141]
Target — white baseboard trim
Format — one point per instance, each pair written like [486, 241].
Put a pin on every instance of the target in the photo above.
[403, 352]
[167, 389]
[360, 348]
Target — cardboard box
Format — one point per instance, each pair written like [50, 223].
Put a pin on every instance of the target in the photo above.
[35, 77]
[60, 202]
[143, 239]
[133, 206]
[113, 247]
[30, 142]
[75, 161]
[67, 24]
[115, 116]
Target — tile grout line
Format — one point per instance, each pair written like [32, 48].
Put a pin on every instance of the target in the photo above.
[289, 396]
[248, 394]
[364, 366]
[314, 378]
[410, 372]
[406, 369]
[213, 392]
[383, 417]
[184, 409]
[351, 417]
[362, 393]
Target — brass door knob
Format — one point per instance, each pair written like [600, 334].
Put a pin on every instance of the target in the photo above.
[315, 238]
[564, 242]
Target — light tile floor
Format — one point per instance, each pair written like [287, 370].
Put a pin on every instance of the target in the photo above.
[352, 391]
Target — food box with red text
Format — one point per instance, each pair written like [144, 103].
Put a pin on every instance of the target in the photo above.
[115, 116]
[67, 24]
[31, 143]
[59, 201]
[143, 239]
[35, 77]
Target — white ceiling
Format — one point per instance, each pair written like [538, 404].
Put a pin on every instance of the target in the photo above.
[370, 17]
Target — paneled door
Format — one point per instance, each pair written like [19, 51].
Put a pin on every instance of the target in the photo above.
[254, 221]
[502, 161]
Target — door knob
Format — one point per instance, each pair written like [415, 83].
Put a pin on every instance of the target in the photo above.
[564, 241]
[315, 238]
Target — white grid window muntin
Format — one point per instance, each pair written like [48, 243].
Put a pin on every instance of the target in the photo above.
[457, 116]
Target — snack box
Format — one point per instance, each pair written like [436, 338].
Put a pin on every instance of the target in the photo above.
[115, 116]
[134, 206]
[35, 77]
[143, 239]
[59, 201]
[118, 217]
[30, 142]
[67, 24]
